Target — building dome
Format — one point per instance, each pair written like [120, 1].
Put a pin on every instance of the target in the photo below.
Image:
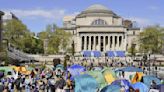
[96, 7]
[97, 10]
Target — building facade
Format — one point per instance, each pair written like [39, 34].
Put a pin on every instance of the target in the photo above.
[99, 29]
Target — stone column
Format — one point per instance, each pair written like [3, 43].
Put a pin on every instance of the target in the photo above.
[104, 43]
[113, 43]
[1, 14]
[99, 43]
[89, 47]
[118, 47]
[108, 43]
[85, 42]
[94, 42]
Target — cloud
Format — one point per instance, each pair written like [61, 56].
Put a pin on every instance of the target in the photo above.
[141, 22]
[154, 8]
[38, 13]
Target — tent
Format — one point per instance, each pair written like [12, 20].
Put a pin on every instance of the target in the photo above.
[141, 86]
[149, 78]
[76, 69]
[98, 76]
[22, 70]
[109, 75]
[85, 83]
[137, 77]
[111, 88]
[122, 82]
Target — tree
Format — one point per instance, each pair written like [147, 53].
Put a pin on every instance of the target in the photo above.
[58, 39]
[20, 37]
[15, 30]
[151, 40]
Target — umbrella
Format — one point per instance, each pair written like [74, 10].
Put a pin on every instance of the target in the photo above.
[76, 69]
[111, 88]
[85, 83]
[122, 82]
[60, 66]
[141, 86]
[98, 76]
[148, 79]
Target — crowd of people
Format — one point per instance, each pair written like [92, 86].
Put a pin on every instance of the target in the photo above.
[48, 80]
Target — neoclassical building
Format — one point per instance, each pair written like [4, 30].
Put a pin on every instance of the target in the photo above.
[98, 28]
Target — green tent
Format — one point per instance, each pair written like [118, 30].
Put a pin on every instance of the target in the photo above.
[6, 69]
[99, 77]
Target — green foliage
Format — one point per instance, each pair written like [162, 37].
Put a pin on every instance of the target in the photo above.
[151, 40]
[58, 39]
[19, 36]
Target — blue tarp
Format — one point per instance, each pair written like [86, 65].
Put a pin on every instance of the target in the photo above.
[96, 53]
[130, 69]
[149, 78]
[111, 88]
[110, 53]
[87, 53]
[120, 53]
[141, 86]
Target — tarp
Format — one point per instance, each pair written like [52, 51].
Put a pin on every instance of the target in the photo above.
[141, 86]
[76, 69]
[111, 88]
[98, 76]
[149, 78]
[110, 53]
[130, 69]
[120, 53]
[137, 77]
[87, 53]
[96, 53]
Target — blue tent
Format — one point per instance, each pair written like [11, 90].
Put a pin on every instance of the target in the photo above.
[149, 78]
[141, 86]
[85, 83]
[110, 53]
[122, 82]
[97, 53]
[111, 88]
[87, 54]
[76, 69]
[120, 53]
[130, 69]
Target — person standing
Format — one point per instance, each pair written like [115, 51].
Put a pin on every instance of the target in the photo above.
[18, 83]
[27, 83]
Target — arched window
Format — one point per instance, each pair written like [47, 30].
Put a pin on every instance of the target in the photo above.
[99, 22]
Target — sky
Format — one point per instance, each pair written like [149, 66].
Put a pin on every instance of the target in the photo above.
[36, 14]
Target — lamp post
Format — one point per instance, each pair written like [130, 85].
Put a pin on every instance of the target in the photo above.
[149, 61]
[1, 14]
